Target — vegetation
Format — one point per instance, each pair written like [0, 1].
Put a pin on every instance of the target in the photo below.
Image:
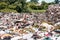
[38, 11]
[35, 1]
[57, 1]
[23, 6]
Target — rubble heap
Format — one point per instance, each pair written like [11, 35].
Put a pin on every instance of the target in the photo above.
[26, 26]
[53, 13]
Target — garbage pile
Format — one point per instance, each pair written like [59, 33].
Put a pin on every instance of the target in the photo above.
[53, 13]
[31, 26]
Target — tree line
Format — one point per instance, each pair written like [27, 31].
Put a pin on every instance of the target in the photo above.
[22, 5]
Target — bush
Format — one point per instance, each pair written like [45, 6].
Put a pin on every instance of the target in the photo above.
[7, 10]
[3, 5]
[11, 6]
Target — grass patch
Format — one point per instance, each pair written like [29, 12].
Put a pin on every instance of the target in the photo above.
[38, 11]
[7, 10]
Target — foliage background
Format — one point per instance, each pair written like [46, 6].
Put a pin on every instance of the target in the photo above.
[23, 6]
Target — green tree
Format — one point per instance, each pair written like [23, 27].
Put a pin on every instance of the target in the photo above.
[56, 1]
[21, 6]
[43, 2]
[44, 5]
[10, 1]
[3, 5]
[35, 1]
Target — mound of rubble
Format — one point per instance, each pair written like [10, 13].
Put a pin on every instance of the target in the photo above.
[53, 13]
[23, 26]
